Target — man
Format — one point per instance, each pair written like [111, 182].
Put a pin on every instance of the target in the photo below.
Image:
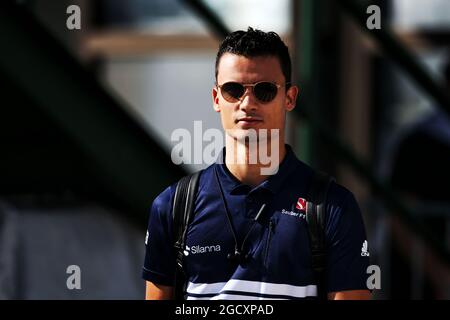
[242, 211]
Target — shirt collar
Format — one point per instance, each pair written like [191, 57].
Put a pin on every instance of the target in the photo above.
[232, 185]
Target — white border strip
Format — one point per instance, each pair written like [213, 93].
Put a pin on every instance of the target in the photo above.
[224, 296]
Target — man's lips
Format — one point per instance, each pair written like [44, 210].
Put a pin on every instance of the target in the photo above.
[248, 122]
[249, 119]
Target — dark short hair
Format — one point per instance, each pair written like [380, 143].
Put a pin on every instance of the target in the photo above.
[256, 43]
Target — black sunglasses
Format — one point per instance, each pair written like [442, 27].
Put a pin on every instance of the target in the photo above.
[264, 91]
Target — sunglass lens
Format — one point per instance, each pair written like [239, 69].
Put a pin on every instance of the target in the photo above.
[265, 91]
[232, 91]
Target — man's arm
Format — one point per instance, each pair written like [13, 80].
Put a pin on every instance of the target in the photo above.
[350, 295]
[155, 291]
[347, 253]
[159, 262]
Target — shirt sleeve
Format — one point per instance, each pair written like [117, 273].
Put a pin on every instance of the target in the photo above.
[159, 263]
[347, 247]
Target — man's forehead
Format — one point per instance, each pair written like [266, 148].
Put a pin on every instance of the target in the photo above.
[238, 66]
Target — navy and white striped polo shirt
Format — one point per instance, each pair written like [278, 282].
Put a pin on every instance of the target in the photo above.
[279, 262]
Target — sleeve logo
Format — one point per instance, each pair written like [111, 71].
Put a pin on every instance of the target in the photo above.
[364, 249]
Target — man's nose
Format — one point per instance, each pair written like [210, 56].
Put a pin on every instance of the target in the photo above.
[248, 100]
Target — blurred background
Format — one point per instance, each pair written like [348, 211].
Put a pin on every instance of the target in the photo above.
[86, 118]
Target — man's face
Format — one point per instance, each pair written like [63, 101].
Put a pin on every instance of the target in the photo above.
[249, 113]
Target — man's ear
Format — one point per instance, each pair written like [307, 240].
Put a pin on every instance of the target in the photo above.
[215, 96]
[291, 98]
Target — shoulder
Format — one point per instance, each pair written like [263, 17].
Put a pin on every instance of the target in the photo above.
[340, 203]
[164, 201]
[338, 195]
[161, 208]
[343, 218]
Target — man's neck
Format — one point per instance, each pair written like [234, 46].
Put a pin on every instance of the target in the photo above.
[238, 159]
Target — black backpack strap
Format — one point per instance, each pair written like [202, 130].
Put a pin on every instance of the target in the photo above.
[183, 209]
[315, 217]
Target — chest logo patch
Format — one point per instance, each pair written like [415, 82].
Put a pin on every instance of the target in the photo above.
[299, 211]
[301, 204]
